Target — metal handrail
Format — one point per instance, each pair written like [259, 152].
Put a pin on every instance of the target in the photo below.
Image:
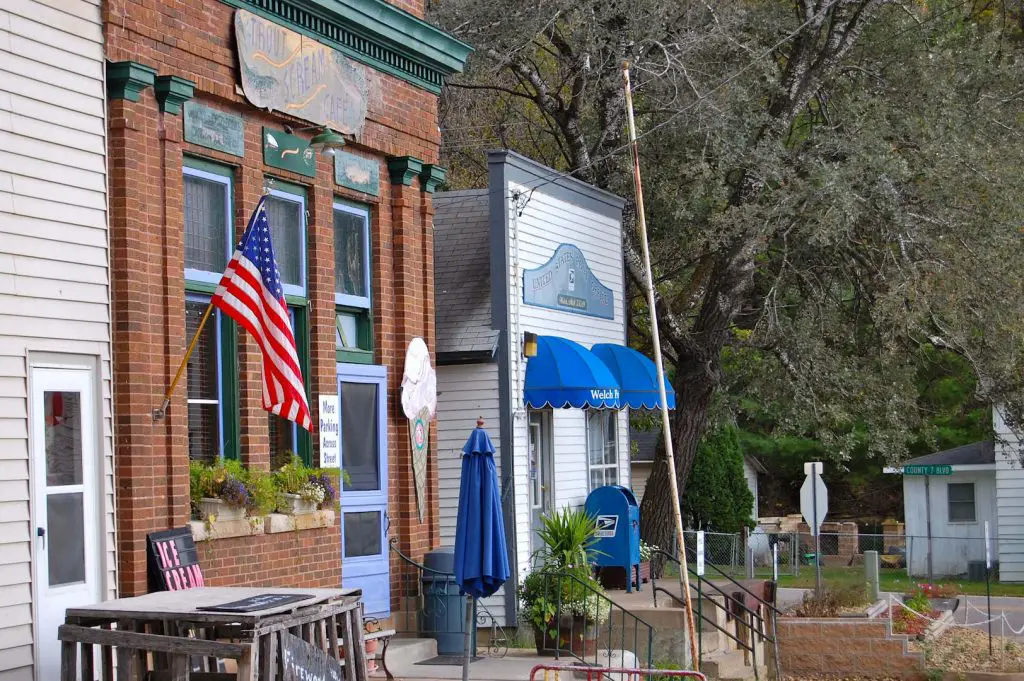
[705, 618]
[565, 613]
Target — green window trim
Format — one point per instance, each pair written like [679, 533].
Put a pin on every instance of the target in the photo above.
[350, 305]
[228, 360]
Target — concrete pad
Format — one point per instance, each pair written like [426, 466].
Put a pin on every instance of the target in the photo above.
[515, 666]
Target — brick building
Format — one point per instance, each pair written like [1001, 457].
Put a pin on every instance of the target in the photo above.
[209, 107]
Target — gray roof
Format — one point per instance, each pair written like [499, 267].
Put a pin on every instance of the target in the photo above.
[646, 443]
[462, 275]
[966, 455]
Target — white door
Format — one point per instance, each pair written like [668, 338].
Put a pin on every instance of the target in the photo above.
[541, 478]
[65, 503]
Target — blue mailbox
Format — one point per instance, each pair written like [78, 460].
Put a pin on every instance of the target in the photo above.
[618, 530]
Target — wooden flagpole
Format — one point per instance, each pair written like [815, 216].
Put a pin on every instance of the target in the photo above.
[161, 411]
[666, 427]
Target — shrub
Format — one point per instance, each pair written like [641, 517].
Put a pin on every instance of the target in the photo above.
[831, 602]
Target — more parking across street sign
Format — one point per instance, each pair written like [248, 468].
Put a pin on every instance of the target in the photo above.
[927, 470]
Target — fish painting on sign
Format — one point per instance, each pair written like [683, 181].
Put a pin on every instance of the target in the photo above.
[288, 72]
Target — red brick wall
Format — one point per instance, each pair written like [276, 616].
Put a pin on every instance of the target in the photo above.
[193, 39]
[845, 647]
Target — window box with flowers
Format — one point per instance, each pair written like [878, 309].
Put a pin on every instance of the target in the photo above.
[302, 489]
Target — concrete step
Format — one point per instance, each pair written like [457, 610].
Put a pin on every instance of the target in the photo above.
[412, 650]
[726, 666]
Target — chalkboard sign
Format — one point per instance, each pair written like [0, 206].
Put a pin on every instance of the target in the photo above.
[260, 602]
[173, 561]
[302, 662]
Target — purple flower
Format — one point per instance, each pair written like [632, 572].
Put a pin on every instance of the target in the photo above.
[324, 480]
[234, 493]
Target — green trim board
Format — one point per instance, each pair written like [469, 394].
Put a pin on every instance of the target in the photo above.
[357, 173]
[172, 92]
[214, 129]
[288, 152]
[127, 79]
[372, 32]
[404, 169]
[432, 176]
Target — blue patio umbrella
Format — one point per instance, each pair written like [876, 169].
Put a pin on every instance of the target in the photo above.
[481, 554]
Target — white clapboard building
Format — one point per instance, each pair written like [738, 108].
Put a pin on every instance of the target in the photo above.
[538, 254]
[56, 489]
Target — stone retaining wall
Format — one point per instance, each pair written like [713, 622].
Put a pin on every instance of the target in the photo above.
[845, 647]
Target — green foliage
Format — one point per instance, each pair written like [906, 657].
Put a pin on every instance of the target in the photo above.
[918, 602]
[567, 537]
[832, 602]
[717, 498]
[290, 477]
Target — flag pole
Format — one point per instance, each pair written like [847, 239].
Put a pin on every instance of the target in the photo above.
[160, 412]
[666, 427]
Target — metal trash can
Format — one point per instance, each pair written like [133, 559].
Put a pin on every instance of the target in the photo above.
[444, 610]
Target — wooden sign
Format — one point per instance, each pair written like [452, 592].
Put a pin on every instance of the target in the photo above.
[302, 662]
[173, 561]
[566, 283]
[356, 172]
[288, 152]
[288, 72]
[214, 129]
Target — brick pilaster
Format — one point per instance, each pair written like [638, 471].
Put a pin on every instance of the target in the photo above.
[320, 255]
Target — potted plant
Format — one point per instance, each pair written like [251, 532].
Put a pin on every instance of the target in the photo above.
[647, 554]
[217, 492]
[561, 599]
[296, 493]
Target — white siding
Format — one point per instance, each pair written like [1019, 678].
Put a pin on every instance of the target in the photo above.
[952, 544]
[750, 475]
[54, 294]
[545, 223]
[465, 393]
[1010, 494]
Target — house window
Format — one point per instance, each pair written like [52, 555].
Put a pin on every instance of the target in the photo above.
[353, 327]
[602, 447]
[211, 372]
[286, 214]
[960, 497]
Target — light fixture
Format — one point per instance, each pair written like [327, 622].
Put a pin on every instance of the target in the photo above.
[529, 344]
[325, 141]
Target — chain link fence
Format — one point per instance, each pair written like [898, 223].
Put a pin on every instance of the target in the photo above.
[902, 558]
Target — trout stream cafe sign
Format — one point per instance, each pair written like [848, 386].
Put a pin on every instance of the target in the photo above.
[288, 72]
[566, 283]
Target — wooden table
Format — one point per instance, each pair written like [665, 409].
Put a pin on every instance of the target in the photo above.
[159, 635]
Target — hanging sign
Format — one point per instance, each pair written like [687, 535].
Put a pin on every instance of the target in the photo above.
[419, 401]
[330, 432]
[288, 72]
[419, 429]
[566, 283]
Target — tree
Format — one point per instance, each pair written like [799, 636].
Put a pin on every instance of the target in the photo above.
[717, 498]
[832, 186]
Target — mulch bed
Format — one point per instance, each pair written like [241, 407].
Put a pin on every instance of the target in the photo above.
[963, 649]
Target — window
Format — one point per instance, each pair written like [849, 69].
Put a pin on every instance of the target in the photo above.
[286, 213]
[211, 371]
[602, 447]
[353, 326]
[960, 496]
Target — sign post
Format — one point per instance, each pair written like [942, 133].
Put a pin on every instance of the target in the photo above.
[814, 507]
[988, 585]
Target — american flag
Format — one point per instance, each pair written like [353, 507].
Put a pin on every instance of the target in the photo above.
[250, 293]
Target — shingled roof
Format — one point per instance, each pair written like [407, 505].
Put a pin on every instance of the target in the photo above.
[966, 455]
[462, 276]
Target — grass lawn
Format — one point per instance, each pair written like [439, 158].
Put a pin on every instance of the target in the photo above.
[892, 580]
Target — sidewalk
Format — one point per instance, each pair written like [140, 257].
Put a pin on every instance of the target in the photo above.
[515, 666]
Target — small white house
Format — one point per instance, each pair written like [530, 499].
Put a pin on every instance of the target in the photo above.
[536, 255]
[945, 514]
[643, 444]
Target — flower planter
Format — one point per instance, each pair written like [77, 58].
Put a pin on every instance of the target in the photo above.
[293, 504]
[645, 572]
[220, 510]
[574, 634]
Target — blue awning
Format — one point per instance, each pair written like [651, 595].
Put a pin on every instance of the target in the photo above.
[566, 374]
[636, 375]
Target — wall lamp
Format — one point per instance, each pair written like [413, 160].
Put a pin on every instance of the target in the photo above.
[325, 141]
[529, 344]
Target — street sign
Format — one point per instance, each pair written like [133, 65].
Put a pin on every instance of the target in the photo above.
[813, 502]
[927, 470]
[988, 549]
